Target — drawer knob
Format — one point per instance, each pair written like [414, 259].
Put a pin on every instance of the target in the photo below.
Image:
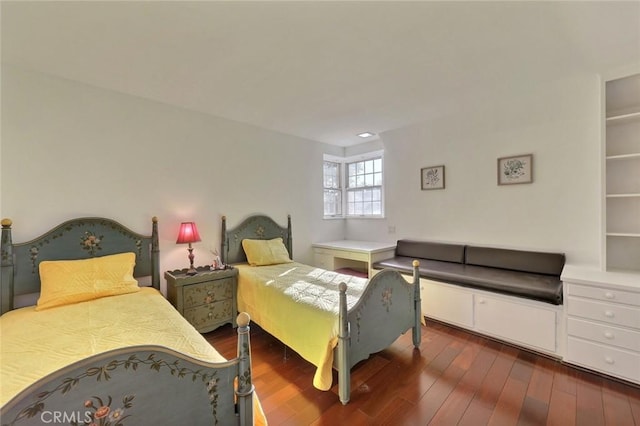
[609, 314]
[609, 335]
[609, 360]
[210, 315]
[609, 295]
[482, 301]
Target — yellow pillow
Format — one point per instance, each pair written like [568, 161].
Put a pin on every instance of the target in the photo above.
[63, 282]
[265, 252]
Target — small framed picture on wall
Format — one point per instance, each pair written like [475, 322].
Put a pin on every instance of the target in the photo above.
[516, 169]
[432, 177]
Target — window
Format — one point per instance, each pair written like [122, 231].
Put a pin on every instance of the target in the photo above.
[332, 189]
[353, 187]
[364, 188]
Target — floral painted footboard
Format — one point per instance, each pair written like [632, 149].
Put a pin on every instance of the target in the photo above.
[144, 385]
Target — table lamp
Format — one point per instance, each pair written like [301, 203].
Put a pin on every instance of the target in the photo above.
[189, 234]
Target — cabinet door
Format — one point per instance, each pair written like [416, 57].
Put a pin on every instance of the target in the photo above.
[519, 323]
[446, 303]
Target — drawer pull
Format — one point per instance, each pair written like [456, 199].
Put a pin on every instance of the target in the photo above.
[481, 301]
[609, 335]
[609, 360]
[609, 314]
[210, 315]
[609, 295]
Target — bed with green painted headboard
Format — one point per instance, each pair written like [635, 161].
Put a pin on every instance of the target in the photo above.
[99, 343]
[332, 320]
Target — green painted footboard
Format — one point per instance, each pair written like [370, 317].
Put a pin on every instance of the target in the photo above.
[141, 385]
[389, 307]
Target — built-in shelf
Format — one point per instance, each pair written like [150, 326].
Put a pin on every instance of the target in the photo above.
[622, 174]
[623, 195]
[623, 117]
[624, 156]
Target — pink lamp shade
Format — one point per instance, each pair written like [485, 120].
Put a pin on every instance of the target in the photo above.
[188, 233]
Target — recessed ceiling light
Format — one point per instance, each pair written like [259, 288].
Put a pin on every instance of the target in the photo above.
[366, 134]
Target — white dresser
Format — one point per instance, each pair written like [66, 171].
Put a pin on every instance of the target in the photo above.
[603, 321]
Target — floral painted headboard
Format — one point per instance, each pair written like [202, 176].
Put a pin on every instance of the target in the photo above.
[259, 227]
[81, 238]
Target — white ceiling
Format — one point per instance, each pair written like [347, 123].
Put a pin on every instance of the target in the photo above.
[320, 70]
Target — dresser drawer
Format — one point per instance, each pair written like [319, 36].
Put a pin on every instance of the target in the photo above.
[606, 312]
[608, 335]
[210, 314]
[604, 294]
[207, 292]
[616, 362]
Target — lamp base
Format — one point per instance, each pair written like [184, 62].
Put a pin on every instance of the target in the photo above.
[191, 271]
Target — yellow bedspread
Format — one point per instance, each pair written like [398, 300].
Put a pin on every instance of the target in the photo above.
[34, 344]
[298, 304]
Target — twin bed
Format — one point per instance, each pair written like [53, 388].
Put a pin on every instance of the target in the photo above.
[332, 320]
[101, 345]
[98, 348]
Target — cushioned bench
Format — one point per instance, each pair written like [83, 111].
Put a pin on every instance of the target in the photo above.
[528, 274]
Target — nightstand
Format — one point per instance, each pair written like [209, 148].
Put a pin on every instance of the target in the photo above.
[207, 300]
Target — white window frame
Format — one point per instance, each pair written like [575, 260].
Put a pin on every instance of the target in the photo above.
[332, 189]
[344, 187]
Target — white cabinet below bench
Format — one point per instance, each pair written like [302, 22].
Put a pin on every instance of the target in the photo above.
[528, 323]
[603, 321]
[446, 303]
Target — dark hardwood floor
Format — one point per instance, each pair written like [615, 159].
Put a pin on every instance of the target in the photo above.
[456, 378]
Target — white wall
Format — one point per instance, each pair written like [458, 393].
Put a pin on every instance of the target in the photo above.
[558, 122]
[71, 150]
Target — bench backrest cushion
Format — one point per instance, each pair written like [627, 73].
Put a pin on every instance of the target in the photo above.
[516, 260]
[429, 250]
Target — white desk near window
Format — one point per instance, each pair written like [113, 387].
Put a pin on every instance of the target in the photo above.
[352, 254]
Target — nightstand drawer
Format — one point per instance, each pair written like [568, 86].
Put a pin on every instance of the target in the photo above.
[210, 314]
[207, 292]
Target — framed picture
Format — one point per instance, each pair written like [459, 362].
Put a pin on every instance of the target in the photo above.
[432, 177]
[516, 169]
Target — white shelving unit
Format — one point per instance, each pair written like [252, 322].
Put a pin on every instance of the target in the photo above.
[622, 165]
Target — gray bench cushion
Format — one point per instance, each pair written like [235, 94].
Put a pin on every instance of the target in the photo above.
[428, 250]
[543, 287]
[517, 260]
